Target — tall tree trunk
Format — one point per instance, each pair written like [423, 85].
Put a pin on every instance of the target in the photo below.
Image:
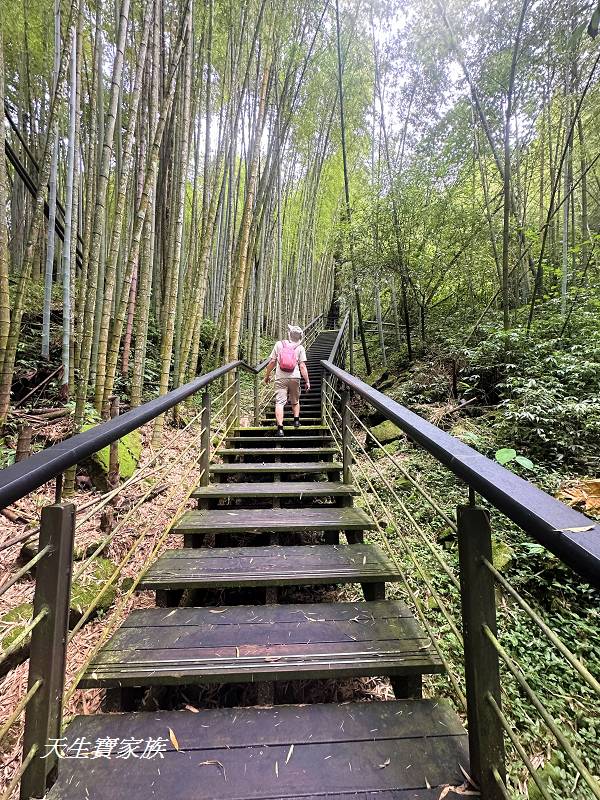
[347, 191]
[70, 232]
[49, 272]
[243, 254]
[4, 256]
[12, 342]
[99, 217]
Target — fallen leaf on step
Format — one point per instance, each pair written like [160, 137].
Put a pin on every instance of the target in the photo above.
[173, 739]
[213, 763]
[385, 763]
[462, 789]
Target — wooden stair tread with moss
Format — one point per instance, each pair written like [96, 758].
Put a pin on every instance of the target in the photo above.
[272, 440]
[273, 519]
[238, 644]
[295, 467]
[303, 565]
[283, 449]
[299, 489]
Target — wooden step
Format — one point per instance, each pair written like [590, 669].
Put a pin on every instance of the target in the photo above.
[310, 453]
[272, 440]
[299, 489]
[278, 520]
[396, 750]
[300, 468]
[270, 420]
[267, 430]
[233, 644]
[306, 565]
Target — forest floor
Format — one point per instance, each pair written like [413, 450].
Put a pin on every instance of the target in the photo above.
[166, 482]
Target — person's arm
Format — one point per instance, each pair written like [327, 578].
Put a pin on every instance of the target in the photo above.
[269, 370]
[304, 373]
[271, 364]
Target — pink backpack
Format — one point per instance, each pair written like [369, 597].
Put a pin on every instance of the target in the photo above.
[288, 357]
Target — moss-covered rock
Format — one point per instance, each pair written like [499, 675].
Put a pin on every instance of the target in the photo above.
[85, 589]
[130, 450]
[13, 622]
[502, 554]
[82, 551]
[387, 432]
[390, 448]
[28, 551]
[447, 538]
[126, 584]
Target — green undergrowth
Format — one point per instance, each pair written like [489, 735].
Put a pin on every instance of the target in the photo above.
[521, 391]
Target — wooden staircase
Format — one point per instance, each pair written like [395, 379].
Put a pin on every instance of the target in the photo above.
[271, 495]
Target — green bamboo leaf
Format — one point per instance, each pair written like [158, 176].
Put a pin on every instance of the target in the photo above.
[505, 454]
[524, 462]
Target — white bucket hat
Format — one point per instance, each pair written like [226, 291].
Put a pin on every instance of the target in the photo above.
[295, 333]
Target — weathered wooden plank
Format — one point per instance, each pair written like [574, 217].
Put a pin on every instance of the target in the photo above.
[190, 667]
[254, 520]
[288, 612]
[237, 644]
[283, 449]
[267, 430]
[286, 752]
[300, 489]
[294, 467]
[271, 440]
[305, 419]
[282, 725]
[269, 566]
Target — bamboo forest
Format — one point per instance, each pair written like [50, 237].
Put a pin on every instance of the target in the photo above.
[300, 399]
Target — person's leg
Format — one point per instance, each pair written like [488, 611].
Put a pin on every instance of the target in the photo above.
[279, 413]
[281, 394]
[294, 395]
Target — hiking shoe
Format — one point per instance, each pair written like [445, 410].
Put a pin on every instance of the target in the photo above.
[296, 422]
[280, 432]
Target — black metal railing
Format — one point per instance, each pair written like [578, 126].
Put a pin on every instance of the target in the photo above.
[468, 628]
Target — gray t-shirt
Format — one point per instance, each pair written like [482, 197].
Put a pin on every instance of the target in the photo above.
[279, 373]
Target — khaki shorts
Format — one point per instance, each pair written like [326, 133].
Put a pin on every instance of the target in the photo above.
[287, 389]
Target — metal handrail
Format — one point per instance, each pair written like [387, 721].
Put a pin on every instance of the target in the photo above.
[25, 476]
[566, 533]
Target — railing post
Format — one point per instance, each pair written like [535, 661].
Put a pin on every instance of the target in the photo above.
[205, 440]
[346, 452]
[237, 400]
[256, 399]
[482, 674]
[351, 341]
[48, 651]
